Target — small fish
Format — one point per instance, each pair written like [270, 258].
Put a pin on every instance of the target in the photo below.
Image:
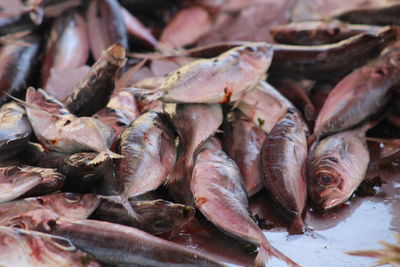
[283, 160]
[220, 195]
[117, 245]
[148, 147]
[94, 90]
[336, 167]
[30, 248]
[15, 130]
[59, 130]
[264, 105]
[16, 181]
[153, 216]
[360, 94]
[222, 79]
[242, 142]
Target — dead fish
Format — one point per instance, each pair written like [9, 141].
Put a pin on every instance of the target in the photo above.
[115, 244]
[148, 145]
[16, 181]
[94, 90]
[31, 154]
[67, 46]
[222, 79]
[264, 105]
[59, 130]
[186, 27]
[360, 94]
[153, 216]
[30, 248]
[220, 195]
[30, 213]
[336, 167]
[16, 65]
[242, 142]
[120, 111]
[283, 160]
[194, 124]
[105, 26]
[15, 130]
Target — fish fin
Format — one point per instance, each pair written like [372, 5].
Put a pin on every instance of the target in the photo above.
[145, 94]
[179, 170]
[263, 256]
[297, 226]
[391, 147]
[123, 202]
[309, 112]
[276, 253]
[103, 156]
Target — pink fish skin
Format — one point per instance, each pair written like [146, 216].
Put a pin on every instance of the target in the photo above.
[284, 157]
[360, 94]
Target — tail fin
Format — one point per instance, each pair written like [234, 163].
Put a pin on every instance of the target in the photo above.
[145, 94]
[104, 156]
[124, 202]
[297, 226]
[179, 170]
[391, 147]
[263, 256]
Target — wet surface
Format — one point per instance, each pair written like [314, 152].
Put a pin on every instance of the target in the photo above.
[359, 224]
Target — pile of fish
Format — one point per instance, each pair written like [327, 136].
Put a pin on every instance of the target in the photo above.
[179, 119]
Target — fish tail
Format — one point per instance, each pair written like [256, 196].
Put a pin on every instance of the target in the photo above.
[145, 95]
[122, 201]
[104, 156]
[276, 253]
[297, 227]
[179, 170]
[263, 256]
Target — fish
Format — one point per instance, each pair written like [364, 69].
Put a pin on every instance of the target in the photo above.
[67, 46]
[360, 94]
[16, 181]
[222, 79]
[93, 92]
[336, 166]
[221, 197]
[148, 147]
[117, 245]
[59, 130]
[105, 26]
[31, 248]
[283, 160]
[153, 216]
[242, 142]
[17, 63]
[264, 105]
[15, 130]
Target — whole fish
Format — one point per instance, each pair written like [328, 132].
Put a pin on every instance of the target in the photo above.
[153, 216]
[15, 130]
[16, 65]
[105, 26]
[67, 46]
[222, 79]
[283, 160]
[30, 248]
[242, 142]
[148, 145]
[360, 94]
[16, 181]
[120, 111]
[264, 105]
[117, 245]
[59, 130]
[194, 124]
[336, 167]
[94, 90]
[219, 194]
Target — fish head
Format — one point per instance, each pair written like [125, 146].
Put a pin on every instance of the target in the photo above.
[72, 205]
[31, 220]
[258, 55]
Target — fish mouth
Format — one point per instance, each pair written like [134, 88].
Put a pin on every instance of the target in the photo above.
[332, 199]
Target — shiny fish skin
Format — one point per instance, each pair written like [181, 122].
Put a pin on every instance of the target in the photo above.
[219, 194]
[30, 248]
[116, 244]
[222, 79]
[59, 130]
[154, 216]
[15, 130]
[242, 142]
[283, 160]
[360, 94]
[336, 166]
[94, 90]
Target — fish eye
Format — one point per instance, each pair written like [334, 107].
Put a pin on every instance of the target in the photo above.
[11, 171]
[19, 225]
[71, 197]
[325, 179]
[250, 49]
